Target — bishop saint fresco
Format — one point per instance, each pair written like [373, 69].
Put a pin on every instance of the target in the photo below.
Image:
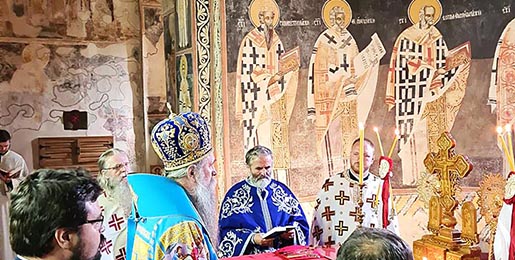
[426, 84]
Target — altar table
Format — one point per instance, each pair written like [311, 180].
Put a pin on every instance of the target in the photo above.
[294, 253]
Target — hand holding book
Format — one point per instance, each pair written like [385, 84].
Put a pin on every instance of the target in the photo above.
[258, 239]
[15, 173]
[458, 56]
[284, 232]
[7, 176]
[288, 235]
[4, 172]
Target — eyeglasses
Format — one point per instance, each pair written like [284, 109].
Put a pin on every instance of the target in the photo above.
[118, 166]
[97, 223]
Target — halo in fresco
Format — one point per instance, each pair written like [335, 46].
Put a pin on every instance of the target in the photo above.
[259, 5]
[416, 5]
[329, 5]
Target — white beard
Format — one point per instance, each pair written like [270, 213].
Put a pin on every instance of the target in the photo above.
[261, 183]
[119, 192]
[123, 195]
[339, 29]
[425, 25]
[204, 200]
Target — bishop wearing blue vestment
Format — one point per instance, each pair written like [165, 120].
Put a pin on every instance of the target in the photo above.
[173, 217]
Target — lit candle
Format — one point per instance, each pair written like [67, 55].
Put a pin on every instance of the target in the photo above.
[505, 149]
[397, 136]
[507, 128]
[361, 148]
[379, 140]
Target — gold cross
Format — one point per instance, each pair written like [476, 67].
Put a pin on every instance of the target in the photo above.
[449, 167]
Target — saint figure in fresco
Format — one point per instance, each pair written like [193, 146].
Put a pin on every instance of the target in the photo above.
[335, 92]
[501, 95]
[31, 76]
[184, 88]
[182, 21]
[77, 15]
[426, 83]
[266, 84]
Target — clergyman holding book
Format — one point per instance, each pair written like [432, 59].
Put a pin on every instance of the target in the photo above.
[12, 171]
[260, 214]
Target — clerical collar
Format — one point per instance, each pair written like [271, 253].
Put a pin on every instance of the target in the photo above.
[355, 177]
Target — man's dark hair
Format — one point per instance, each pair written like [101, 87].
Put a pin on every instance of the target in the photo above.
[4, 136]
[46, 201]
[374, 244]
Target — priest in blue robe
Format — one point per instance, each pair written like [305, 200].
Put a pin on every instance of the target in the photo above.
[256, 205]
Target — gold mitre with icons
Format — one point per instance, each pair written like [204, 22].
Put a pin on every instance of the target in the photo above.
[181, 140]
[337, 6]
[257, 6]
[416, 6]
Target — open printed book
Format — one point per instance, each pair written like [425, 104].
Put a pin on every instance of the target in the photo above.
[277, 231]
[14, 173]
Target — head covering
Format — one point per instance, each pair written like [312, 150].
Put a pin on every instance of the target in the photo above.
[181, 140]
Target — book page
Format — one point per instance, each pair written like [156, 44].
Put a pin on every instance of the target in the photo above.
[14, 173]
[458, 56]
[4, 172]
[277, 231]
[289, 61]
[369, 56]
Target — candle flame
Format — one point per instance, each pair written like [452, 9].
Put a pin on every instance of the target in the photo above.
[499, 130]
[361, 126]
[376, 129]
[507, 128]
[397, 132]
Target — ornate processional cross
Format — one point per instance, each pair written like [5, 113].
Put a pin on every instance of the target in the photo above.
[447, 242]
[449, 168]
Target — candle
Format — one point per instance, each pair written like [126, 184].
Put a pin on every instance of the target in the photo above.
[510, 145]
[379, 140]
[505, 149]
[361, 148]
[397, 136]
